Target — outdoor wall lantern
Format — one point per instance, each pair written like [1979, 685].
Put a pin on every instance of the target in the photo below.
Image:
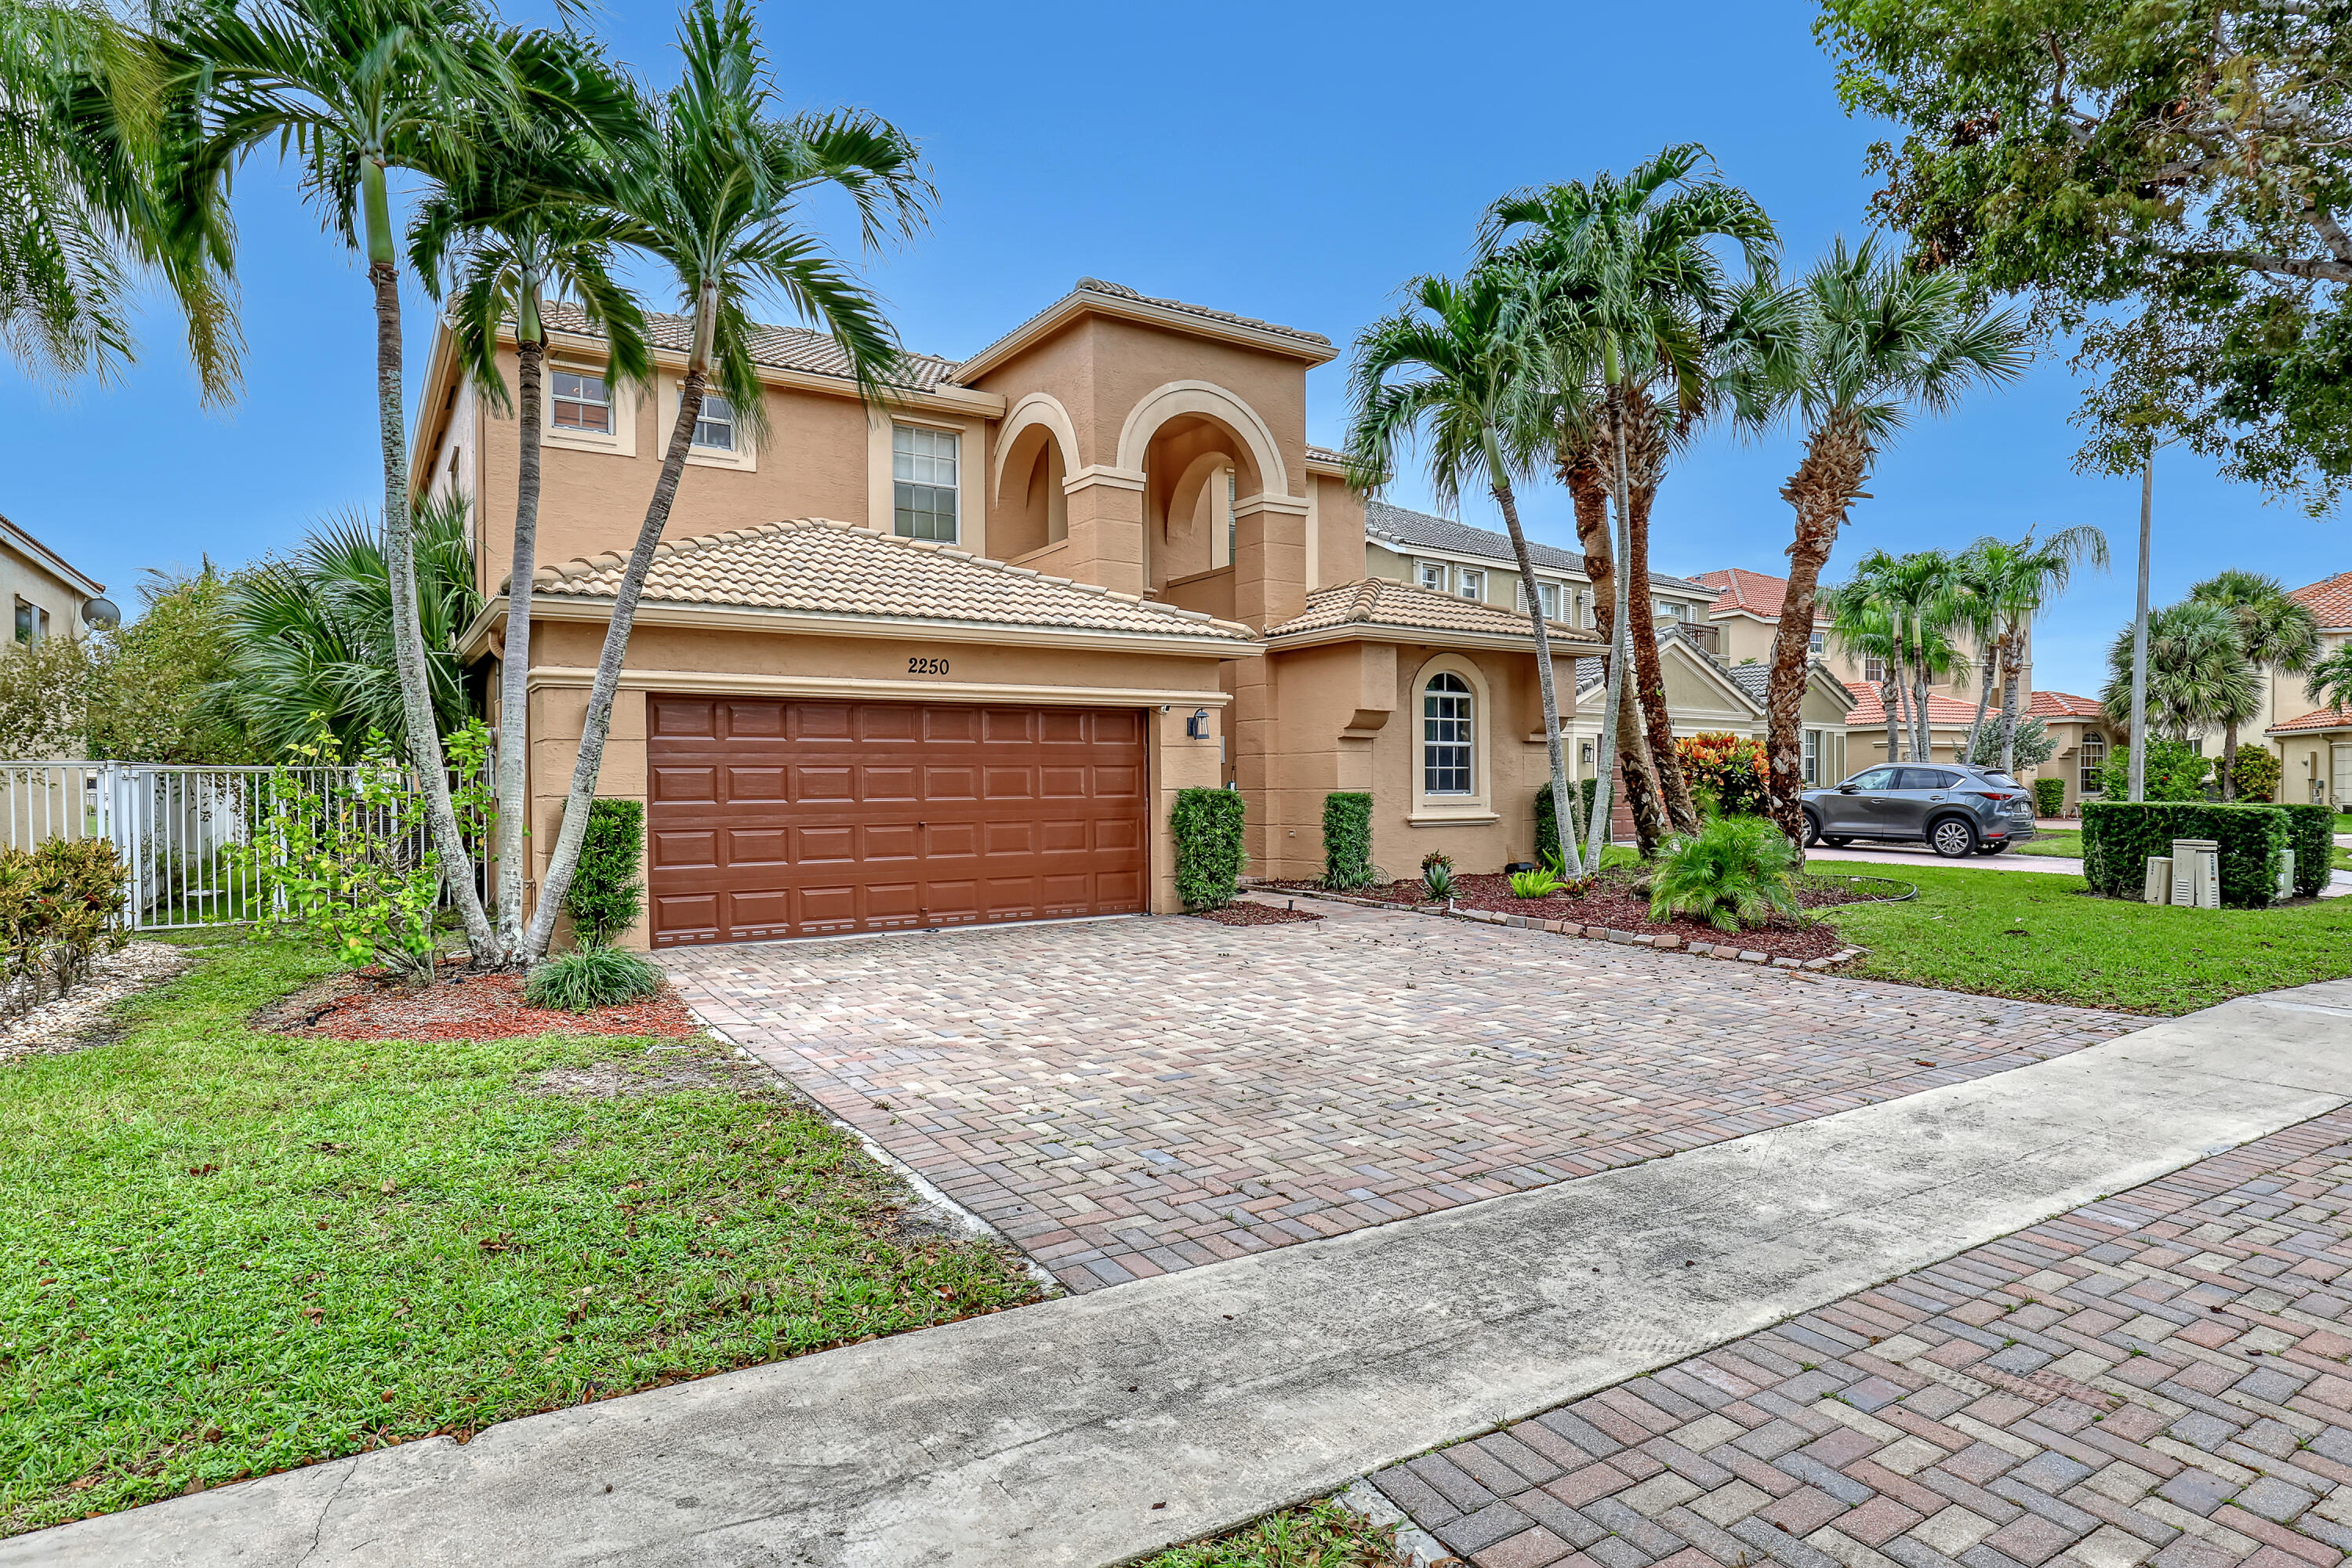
[1196, 728]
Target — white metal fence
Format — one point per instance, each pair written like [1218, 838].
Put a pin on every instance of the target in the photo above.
[182, 831]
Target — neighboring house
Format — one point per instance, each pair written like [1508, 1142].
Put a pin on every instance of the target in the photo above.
[1477, 564]
[2078, 724]
[2079, 727]
[46, 593]
[949, 664]
[2315, 745]
[1747, 610]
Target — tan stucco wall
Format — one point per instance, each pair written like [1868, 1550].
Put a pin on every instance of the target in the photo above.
[668, 657]
[22, 576]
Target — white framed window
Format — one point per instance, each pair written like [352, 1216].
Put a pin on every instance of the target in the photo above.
[923, 466]
[1672, 610]
[1448, 737]
[714, 427]
[1812, 758]
[32, 622]
[1873, 670]
[1432, 575]
[579, 401]
[1816, 642]
[1472, 583]
[1548, 592]
[2093, 758]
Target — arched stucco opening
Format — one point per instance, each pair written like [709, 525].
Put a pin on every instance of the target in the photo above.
[1200, 449]
[1032, 510]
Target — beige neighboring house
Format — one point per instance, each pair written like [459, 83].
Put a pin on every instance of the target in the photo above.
[46, 595]
[949, 664]
[2077, 724]
[2313, 744]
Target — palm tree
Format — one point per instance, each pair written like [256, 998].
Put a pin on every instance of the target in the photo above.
[313, 633]
[1458, 365]
[1629, 263]
[85, 119]
[711, 190]
[2198, 672]
[2005, 584]
[2331, 679]
[2276, 632]
[514, 234]
[1862, 627]
[1873, 338]
[1925, 608]
[356, 89]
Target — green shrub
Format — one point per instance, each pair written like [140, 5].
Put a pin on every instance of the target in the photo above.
[2310, 833]
[2049, 797]
[1730, 767]
[1547, 830]
[1347, 840]
[1736, 871]
[1437, 877]
[1540, 883]
[2257, 773]
[1207, 826]
[606, 897]
[2119, 836]
[592, 977]
[2176, 770]
[61, 904]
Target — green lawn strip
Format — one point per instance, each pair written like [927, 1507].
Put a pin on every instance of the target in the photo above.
[222, 1254]
[2043, 938]
[2067, 842]
[1319, 1535]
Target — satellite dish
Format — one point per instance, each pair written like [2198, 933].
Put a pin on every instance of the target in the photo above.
[101, 614]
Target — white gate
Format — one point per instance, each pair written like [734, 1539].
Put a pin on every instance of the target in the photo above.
[181, 830]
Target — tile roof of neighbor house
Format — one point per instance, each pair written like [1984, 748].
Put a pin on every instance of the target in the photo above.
[1378, 602]
[2064, 705]
[1759, 592]
[2330, 599]
[1943, 713]
[815, 566]
[2323, 718]
[1397, 525]
[779, 348]
[1751, 678]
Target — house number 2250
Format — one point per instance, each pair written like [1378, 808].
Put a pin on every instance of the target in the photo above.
[927, 667]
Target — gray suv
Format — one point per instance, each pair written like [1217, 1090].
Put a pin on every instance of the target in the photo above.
[1956, 811]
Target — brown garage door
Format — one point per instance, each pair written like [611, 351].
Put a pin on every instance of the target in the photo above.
[791, 819]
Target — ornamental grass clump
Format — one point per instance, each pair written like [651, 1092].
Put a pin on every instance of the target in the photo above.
[591, 977]
[1736, 871]
[1540, 883]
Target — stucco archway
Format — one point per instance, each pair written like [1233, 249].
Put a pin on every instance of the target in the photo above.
[1209, 401]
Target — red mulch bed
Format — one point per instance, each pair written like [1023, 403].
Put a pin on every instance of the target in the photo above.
[1244, 913]
[1614, 905]
[467, 1008]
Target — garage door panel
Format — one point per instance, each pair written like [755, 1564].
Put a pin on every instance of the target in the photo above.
[772, 818]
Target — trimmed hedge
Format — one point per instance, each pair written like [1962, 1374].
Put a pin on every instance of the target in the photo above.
[1548, 827]
[2049, 797]
[606, 897]
[2118, 837]
[1347, 839]
[2311, 834]
[1207, 826]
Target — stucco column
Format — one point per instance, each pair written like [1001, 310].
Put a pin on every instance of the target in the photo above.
[1180, 762]
[1269, 559]
[1106, 529]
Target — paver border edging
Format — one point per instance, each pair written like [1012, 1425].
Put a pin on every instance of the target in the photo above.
[1590, 934]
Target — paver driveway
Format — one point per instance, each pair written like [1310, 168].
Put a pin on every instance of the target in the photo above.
[1124, 1098]
[2158, 1377]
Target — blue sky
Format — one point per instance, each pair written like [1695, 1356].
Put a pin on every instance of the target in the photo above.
[1292, 162]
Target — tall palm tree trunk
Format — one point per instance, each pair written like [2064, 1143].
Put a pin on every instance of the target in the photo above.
[2008, 667]
[1584, 473]
[2229, 760]
[1890, 697]
[1664, 763]
[1984, 698]
[1836, 460]
[1922, 734]
[1546, 685]
[514, 667]
[1605, 760]
[400, 572]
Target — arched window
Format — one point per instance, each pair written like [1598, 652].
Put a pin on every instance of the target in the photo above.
[1446, 732]
[2093, 759]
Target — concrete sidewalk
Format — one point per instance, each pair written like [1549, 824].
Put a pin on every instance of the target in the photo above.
[1093, 1428]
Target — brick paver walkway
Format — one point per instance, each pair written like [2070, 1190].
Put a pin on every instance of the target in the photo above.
[1126, 1097]
[2156, 1377]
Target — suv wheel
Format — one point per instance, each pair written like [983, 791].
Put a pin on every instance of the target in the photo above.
[1812, 830]
[1952, 837]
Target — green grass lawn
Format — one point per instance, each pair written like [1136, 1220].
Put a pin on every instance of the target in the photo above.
[2067, 842]
[222, 1254]
[2044, 938]
[1319, 1535]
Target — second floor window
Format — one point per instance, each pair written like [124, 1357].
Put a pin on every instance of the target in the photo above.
[1548, 592]
[1432, 576]
[923, 482]
[579, 402]
[1873, 670]
[714, 427]
[2093, 759]
[32, 622]
[1814, 643]
[1473, 584]
[1672, 609]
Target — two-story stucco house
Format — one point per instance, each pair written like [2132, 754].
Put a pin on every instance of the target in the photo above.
[949, 664]
[46, 595]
